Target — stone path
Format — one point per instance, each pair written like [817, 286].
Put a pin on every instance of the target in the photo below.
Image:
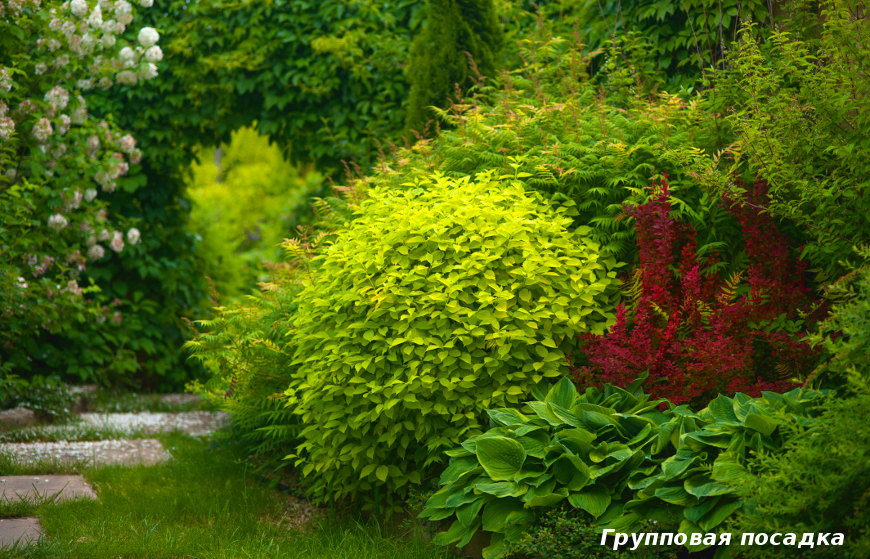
[89, 453]
[16, 417]
[92, 453]
[192, 423]
[24, 530]
[59, 488]
[15, 488]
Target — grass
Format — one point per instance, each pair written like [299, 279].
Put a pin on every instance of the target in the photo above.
[203, 504]
[70, 432]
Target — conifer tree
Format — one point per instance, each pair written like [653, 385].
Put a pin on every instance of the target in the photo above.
[438, 59]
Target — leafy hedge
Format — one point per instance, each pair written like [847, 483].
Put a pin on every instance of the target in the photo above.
[435, 303]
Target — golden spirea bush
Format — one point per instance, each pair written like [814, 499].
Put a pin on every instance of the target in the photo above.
[437, 302]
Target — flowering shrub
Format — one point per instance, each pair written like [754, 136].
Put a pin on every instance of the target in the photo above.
[698, 335]
[58, 165]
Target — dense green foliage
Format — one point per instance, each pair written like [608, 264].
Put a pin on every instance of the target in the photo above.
[613, 455]
[844, 336]
[559, 534]
[458, 33]
[57, 229]
[437, 302]
[820, 484]
[798, 105]
[249, 372]
[566, 137]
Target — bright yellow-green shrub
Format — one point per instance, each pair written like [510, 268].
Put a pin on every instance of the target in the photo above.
[436, 303]
[242, 210]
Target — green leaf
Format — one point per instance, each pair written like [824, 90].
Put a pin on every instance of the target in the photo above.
[703, 486]
[495, 513]
[502, 489]
[764, 425]
[501, 457]
[563, 394]
[571, 472]
[457, 467]
[382, 472]
[718, 514]
[594, 499]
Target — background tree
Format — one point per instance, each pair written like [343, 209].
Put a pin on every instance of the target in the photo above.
[438, 57]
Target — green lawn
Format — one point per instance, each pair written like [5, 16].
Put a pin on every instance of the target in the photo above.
[203, 504]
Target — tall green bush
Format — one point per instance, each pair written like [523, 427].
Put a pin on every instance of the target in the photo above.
[436, 302]
[439, 63]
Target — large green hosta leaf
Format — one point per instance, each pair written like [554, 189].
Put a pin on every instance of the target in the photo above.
[501, 457]
[612, 454]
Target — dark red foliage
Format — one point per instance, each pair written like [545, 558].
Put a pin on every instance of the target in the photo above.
[687, 332]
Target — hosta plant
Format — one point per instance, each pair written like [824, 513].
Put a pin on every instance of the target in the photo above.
[436, 303]
[611, 453]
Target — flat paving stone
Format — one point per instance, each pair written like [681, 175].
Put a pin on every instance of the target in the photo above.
[17, 417]
[61, 488]
[117, 451]
[192, 423]
[13, 530]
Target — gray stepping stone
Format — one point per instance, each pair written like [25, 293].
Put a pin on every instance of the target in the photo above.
[61, 488]
[98, 453]
[16, 417]
[23, 530]
[192, 423]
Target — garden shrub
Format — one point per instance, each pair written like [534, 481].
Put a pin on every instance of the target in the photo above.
[820, 484]
[845, 336]
[696, 335]
[563, 134]
[798, 106]
[435, 303]
[249, 370]
[64, 173]
[612, 454]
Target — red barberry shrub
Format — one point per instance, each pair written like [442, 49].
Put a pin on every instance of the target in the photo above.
[690, 330]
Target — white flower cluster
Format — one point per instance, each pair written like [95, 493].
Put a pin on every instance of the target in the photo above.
[96, 252]
[57, 97]
[7, 127]
[127, 144]
[64, 124]
[5, 81]
[117, 243]
[87, 29]
[57, 222]
[73, 288]
[42, 129]
[14, 8]
[133, 235]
